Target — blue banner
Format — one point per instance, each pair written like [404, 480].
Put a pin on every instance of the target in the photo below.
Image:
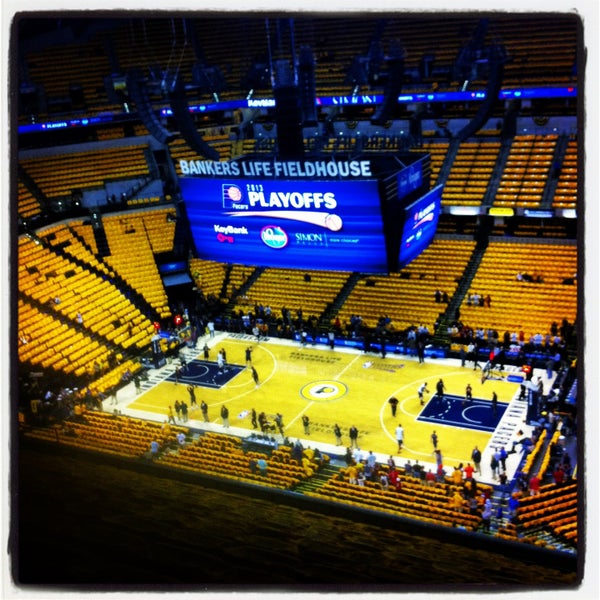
[420, 224]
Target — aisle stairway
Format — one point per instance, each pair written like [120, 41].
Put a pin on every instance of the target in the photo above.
[316, 481]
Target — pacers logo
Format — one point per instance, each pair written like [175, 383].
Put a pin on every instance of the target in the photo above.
[232, 196]
[324, 391]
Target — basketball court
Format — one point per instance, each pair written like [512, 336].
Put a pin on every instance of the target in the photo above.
[344, 386]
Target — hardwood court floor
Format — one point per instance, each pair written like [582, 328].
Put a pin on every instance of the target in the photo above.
[342, 386]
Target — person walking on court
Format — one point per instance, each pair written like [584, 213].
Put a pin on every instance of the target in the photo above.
[338, 434]
[476, 458]
[421, 391]
[279, 423]
[434, 439]
[184, 411]
[353, 433]
[255, 376]
[249, 355]
[393, 402]
[440, 388]
[204, 409]
[205, 351]
[494, 404]
[171, 416]
[468, 394]
[225, 415]
[400, 436]
[306, 423]
[421, 351]
[192, 392]
[472, 353]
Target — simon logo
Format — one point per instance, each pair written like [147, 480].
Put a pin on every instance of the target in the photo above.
[274, 237]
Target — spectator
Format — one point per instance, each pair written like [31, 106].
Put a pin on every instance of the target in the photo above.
[154, 449]
[503, 457]
[394, 479]
[486, 515]
[417, 469]
[513, 505]
[262, 466]
[441, 473]
[559, 475]
[357, 455]
[468, 471]
[457, 476]
[371, 460]
[534, 485]
[473, 506]
[457, 502]
[384, 481]
[353, 474]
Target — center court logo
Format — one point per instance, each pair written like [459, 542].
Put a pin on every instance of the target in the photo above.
[274, 237]
[324, 391]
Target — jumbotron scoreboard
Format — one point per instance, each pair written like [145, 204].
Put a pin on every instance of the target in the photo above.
[369, 215]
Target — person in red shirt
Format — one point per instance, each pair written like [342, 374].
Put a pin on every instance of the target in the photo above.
[558, 475]
[394, 479]
[534, 485]
[429, 478]
[468, 471]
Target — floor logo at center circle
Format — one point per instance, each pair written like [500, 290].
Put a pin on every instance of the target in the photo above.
[326, 390]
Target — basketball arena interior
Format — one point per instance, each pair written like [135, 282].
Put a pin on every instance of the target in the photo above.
[297, 301]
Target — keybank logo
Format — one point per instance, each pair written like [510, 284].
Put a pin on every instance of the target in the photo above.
[274, 236]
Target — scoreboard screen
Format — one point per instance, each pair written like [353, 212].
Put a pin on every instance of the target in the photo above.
[420, 224]
[299, 224]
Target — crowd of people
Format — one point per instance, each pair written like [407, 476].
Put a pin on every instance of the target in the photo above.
[464, 494]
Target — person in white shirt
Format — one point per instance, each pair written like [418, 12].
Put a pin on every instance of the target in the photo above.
[421, 391]
[400, 436]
